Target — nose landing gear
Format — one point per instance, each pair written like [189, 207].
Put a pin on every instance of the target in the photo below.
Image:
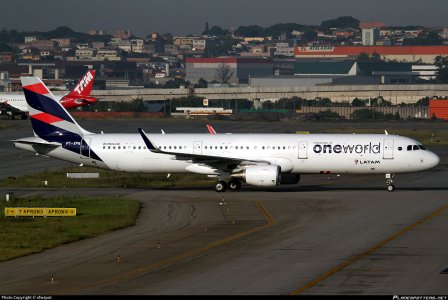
[389, 182]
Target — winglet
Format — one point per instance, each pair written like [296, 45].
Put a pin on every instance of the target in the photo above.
[148, 143]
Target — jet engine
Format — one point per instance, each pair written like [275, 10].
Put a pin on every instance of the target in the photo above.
[263, 175]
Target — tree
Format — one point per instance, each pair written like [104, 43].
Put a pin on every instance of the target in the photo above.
[251, 30]
[223, 73]
[217, 31]
[206, 29]
[202, 83]
[363, 57]
[309, 35]
[358, 102]
[341, 22]
[375, 56]
[442, 68]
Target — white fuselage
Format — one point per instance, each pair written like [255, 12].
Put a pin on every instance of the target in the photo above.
[17, 100]
[309, 153]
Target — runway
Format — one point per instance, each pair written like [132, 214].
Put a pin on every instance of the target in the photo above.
[328, 235]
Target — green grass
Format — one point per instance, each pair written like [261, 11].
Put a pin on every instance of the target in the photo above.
[107, 179]
[426, 137]
[26, 235]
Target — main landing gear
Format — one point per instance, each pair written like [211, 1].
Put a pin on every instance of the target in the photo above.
[389, 182]
[233, 185]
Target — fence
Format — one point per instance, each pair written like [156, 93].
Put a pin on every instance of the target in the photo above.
[405, 112]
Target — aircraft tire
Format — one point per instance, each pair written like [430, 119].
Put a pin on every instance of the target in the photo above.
[221, 186]
[234, 185]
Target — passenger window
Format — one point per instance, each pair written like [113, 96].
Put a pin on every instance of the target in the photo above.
[400, 148]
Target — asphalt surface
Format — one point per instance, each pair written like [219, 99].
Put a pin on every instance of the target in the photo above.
[328, 235]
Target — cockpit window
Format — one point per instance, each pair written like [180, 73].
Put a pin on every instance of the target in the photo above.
[409, 148]
[422, 147]
[415, 147]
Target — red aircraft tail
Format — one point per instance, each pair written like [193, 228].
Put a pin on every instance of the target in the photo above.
[80, 95]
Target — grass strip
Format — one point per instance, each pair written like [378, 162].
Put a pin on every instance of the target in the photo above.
[107, 179]
[27, 235]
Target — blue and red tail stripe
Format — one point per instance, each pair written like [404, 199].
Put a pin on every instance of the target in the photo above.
[46, 105]
[51, 121]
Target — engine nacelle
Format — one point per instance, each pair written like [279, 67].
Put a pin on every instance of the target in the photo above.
[264, 175]
[290, 178]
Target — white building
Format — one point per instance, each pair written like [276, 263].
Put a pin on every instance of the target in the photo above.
[370, 36]
[137, 45]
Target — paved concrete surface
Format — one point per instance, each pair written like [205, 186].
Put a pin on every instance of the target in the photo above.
[328, 235]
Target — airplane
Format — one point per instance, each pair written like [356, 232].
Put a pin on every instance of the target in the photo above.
[15, 103]
[264, 160]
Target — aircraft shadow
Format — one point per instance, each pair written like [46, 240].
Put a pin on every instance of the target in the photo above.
[308, 188]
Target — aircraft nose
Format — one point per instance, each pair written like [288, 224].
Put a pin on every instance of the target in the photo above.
[433, 159]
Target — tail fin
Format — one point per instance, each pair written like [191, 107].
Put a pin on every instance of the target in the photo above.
[211, 129]
[84, 86]
[49, 118]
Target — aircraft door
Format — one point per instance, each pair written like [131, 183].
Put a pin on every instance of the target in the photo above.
[388, 149]
[303, 150]
[197, 147]
[85, 148]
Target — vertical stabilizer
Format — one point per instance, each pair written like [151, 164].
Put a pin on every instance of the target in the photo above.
[50, 120]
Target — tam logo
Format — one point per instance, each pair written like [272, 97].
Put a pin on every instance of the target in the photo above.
[84, 82]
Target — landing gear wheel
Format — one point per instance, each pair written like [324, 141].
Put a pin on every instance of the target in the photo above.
[221, 186]
[389, 182]
[234, 185]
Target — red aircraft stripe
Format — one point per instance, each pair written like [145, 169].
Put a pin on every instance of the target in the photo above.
[47, 118]
[37, 88]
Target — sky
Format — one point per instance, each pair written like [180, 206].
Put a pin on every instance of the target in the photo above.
[183, 17]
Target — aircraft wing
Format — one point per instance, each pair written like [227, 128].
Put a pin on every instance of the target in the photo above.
[222, 163]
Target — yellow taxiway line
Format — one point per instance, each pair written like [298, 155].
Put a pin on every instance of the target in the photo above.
[194, 252]
[371, 250]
